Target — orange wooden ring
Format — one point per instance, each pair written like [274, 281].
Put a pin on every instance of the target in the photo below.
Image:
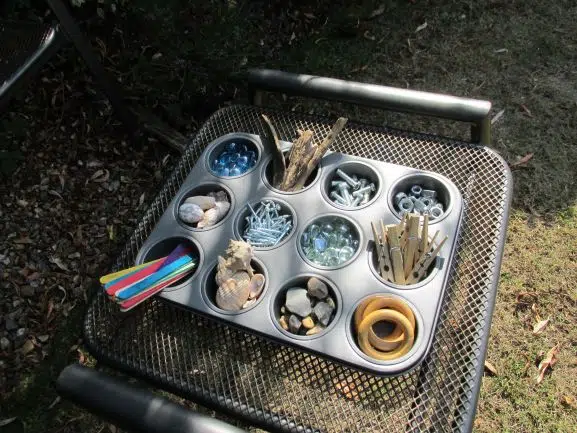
[395, 338]
[391, 316]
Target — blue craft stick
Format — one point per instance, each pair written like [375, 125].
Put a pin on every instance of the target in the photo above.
[178, 252]
[129, 292]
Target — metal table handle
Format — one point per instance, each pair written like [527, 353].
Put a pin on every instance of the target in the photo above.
[373, 95]
[132, 408]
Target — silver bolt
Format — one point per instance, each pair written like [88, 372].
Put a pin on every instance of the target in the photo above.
[366, 198]
[335, 195]
[356, 201]
[347, 195]
[337, 183]
[352, 182]
[362, 191]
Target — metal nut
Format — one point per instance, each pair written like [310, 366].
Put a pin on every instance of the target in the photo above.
[406, 205]
[436, 212]
[430, 193]
[399, 196]
[416, 190]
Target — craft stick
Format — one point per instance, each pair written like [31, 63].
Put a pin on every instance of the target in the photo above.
[386, 254]
[396, 256]
[412, 244]
[143, 296]
[116, 275]
[123, 283]
[152, 279]
[420, 268]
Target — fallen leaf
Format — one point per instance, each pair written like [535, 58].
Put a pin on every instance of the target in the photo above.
[100, 176]
[49, 309]
[368, 36]
[522, 161]
[22, 203]
[58, 262]
[293, 37]
[548, 362]
[540, 326]
[43, 338]
[141, 199]
[569, 401]
[490, 368]
[377, 12]
[81, 357]
[497, 116]
[27, 347]
[7, 421]
[25, 240]
[309, 15]
[421, 27]
[526, 110]
[501, 50]
[110, 229]
[156, 56]
[55, 402]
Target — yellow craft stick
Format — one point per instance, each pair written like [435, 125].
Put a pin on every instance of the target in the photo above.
[107, 278]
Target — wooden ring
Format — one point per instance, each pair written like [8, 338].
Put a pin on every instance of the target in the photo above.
[374, 303]
[390, 316]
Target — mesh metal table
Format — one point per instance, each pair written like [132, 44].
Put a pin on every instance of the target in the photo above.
[282, 388]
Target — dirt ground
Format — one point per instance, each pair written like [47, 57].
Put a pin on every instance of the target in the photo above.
[73, 184]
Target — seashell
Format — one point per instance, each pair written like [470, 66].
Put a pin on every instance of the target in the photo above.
[232, 295]
[190, 213]
[249, 303]
[203, 201]
[256, 286]
[238, 256]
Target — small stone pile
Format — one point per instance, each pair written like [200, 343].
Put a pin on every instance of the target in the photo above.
[203, 211]
[307, 311]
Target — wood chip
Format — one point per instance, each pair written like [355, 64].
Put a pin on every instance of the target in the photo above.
[491, 369]
[497, 116]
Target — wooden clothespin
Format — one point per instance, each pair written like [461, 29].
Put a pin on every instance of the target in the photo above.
[424, 242]
[396, 255]
[412, 244]
[418, 272]
[382, 250]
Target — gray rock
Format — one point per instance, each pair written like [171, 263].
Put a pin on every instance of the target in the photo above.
[317, 288]
[10, 324]
[294, 324]
[5, 344]
[20, 337]
[190, 213]
[323, 311]
[331, 302]
[27, 291]
[298, 302]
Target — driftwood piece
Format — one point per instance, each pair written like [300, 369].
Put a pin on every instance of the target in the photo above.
[298, 152]
[273, 144]
[319, 152]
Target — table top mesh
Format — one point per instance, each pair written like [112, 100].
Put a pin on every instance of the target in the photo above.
[283, 388]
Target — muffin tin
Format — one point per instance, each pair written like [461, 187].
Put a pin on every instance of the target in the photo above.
[351, 282]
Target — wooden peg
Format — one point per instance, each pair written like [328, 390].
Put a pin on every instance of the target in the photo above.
[412, 244]
[386, 256]
[396, 255]
[424, 243]
[420, 268]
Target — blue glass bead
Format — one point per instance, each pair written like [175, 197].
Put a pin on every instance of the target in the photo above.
[320, 243]
[235, 171]
[234, 157]
[224, 172]
[242, 160]
[243, 148]
[231, 147]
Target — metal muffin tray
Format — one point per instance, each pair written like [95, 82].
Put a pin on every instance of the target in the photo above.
[285, 265]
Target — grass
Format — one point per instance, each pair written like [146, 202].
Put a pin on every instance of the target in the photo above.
[520, 55]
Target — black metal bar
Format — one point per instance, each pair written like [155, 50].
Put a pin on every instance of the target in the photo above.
[110, 89]
[132, 408]
[47, 48]
[389, 98]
